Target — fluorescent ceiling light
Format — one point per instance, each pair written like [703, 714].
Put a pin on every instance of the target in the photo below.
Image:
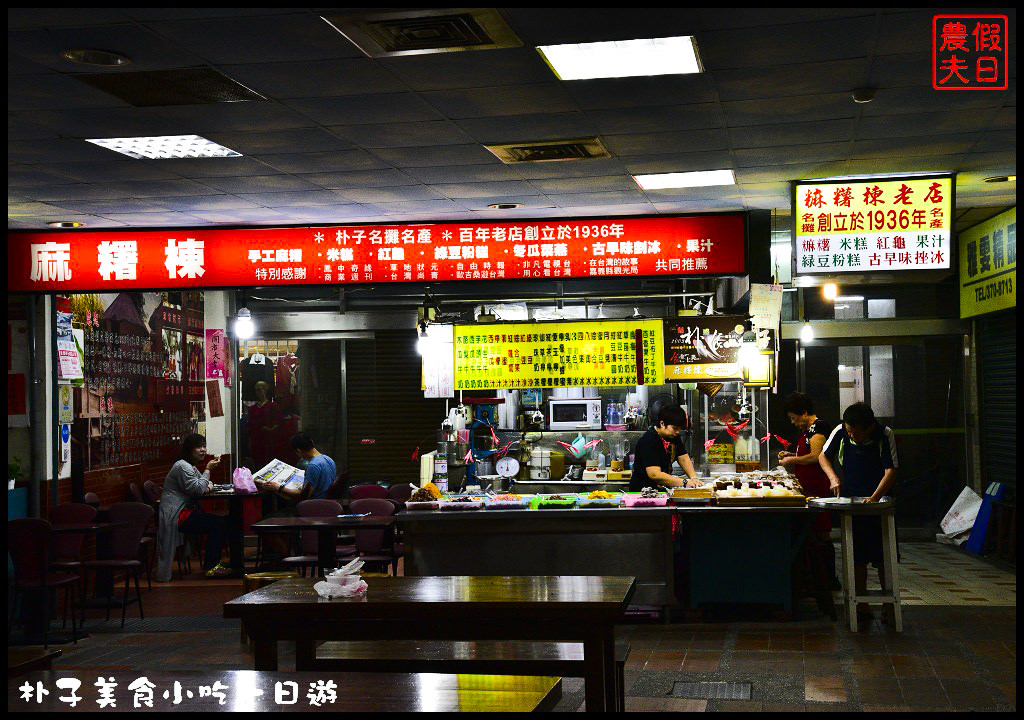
[850, 298]
[623, 58]
[703, 178]
[164, 147]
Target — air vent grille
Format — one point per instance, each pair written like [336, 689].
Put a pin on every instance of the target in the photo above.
[586, 149]
[425, 31]
[187, 86]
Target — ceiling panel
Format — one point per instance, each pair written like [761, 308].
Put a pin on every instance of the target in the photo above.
[406, 134]
[346, 138]
[240, 40]
[456, 70]
[322, 78]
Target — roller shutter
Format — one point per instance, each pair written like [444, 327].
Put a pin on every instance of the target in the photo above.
[998, 398]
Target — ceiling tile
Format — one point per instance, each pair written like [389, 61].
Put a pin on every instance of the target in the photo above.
[486, 189]
[548, 26]
[146, 50]
[20, 128]
[457, 70]
[669, 142]
[269, 142]
[349, 214]
[529, 128]
[832, 106]
[211, 203]
[412, 207]
[464, 173]
[196, 168]
[126, 170]
[913, 124]
[234, 117]
[804, 42]
[767, 81]
[598, 198]
[57, 151]
[501, 101]
[384, 177]
[259, 184]
[156, 219]
[657, 119]
[324, 161]
[792, 154]
[322, 78]
[78, 191]
[792, 133]
[601, 183]
[434, 156]
[933, 146]
[404, 193]
[406, 134]
[256, 215]
[55, 92]
[365, 109]
[64, 17]
[634, 92]
[769, 18]
[529, 202]
[294, 199]
[570, 168]
[108, 122]
[678, 162]
[239, 40]
[158, 188]
[922, 98]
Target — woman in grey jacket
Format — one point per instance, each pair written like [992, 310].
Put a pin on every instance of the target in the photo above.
[180, 513]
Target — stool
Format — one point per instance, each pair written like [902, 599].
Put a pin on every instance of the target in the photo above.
[255, 581]
[888, 595]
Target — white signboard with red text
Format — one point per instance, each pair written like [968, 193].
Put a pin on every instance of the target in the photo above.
[254, 257]
[868, 225]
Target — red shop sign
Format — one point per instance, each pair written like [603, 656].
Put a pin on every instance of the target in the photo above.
[258, 257]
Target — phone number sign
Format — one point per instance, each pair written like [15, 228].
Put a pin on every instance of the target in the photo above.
[257, 257]
[868, 225]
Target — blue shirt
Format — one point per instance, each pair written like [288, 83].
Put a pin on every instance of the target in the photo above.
[321, 472]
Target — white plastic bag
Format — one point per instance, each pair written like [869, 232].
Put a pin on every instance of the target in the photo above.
[962, 515]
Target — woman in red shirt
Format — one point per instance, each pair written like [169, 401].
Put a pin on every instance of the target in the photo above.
[804, 464]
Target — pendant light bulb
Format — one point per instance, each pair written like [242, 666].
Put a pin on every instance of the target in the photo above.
[244, 327]
[806, 333]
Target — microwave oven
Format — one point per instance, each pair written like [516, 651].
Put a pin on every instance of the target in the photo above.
[574, 414]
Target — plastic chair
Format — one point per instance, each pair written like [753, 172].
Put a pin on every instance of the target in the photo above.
[376, 546]
[147, 548]
[152, 492]
[124, 549]
[67, 547]
[29, 547]
[362, 492]
[400, 493]
[309, 539]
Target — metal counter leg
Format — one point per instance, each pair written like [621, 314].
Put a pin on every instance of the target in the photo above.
[849, 582]
[891, 567]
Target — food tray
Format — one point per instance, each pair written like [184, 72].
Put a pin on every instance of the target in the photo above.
[634, 500]
[544, 503]
[690, 500]
[416, 506]
[474, 505]
[787, 501]
[585, 502]
[521, 504]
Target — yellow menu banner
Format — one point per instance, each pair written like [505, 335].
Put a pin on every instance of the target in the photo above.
[571, 354]
[988, 266]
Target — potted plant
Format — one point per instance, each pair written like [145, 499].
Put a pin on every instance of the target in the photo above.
[13, 471]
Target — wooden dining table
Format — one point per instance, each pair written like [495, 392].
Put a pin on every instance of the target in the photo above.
[259, 692]
[327, 529]
[581, 609]
[236, 522]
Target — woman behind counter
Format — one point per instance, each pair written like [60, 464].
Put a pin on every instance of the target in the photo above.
[180, 512]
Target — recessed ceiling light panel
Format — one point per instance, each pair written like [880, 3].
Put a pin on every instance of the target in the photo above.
[667, 181]
[623, 58]
[165, 147]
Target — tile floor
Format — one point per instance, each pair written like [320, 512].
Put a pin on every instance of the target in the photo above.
[957, 651]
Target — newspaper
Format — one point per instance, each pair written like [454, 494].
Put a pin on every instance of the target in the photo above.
[281, 473]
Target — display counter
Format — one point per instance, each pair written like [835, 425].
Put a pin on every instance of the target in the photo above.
[726, 555]
[615, 541]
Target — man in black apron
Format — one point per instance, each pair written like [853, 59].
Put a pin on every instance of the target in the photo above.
[866, 451]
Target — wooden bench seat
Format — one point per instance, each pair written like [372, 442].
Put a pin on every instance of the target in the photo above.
[490, 657]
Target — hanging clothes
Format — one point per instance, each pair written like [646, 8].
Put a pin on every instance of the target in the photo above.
[286, 379]
[254, 369]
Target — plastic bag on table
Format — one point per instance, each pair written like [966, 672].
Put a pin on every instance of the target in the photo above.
[242, 481]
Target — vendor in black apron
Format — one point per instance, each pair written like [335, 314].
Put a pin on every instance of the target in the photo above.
[658, 449]
[866, 451]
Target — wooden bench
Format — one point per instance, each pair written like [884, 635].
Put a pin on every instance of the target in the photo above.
[24, 659]
[490, 657]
